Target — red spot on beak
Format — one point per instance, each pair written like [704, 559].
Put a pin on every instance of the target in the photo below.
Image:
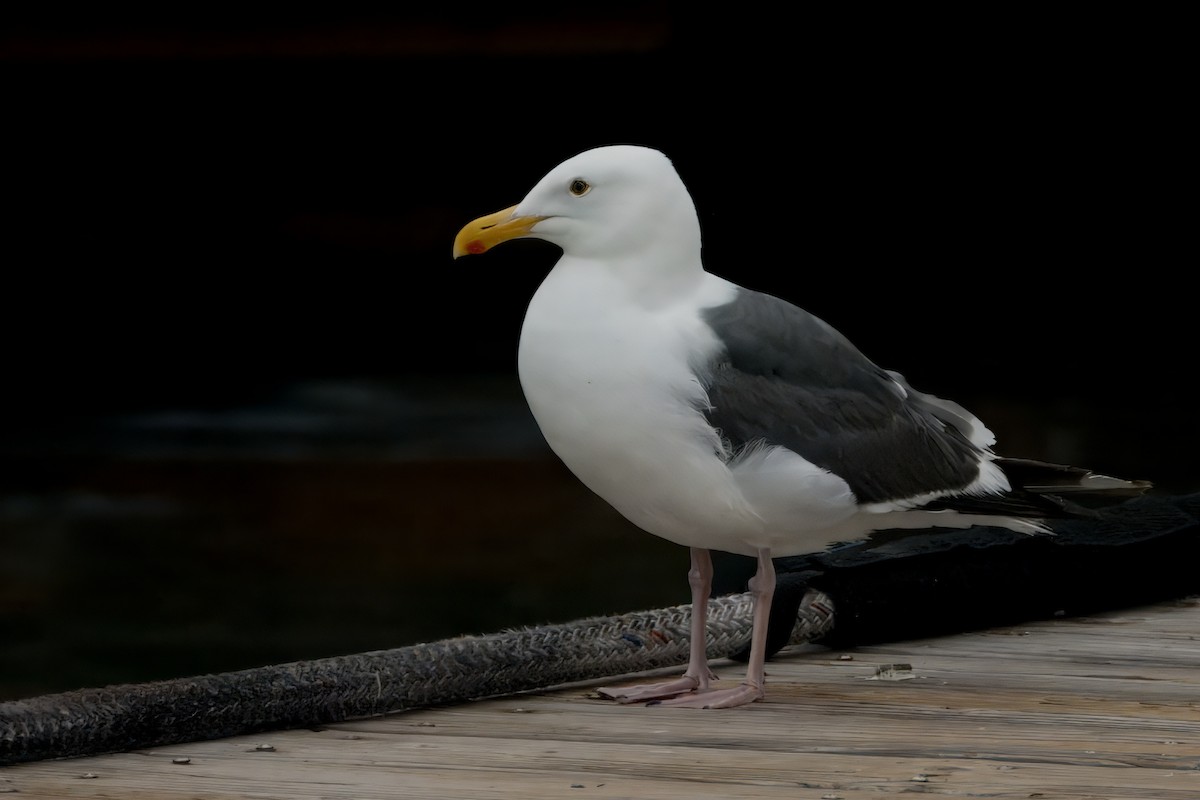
[476, 247]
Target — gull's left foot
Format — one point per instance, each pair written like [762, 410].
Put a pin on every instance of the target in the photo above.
[642, 693]
[741, 695]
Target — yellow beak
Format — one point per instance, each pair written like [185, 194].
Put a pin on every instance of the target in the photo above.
[487, 232]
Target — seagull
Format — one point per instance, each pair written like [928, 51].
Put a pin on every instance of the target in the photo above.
[723, 418]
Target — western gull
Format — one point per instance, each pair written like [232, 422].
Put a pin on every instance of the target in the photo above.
[722, 418]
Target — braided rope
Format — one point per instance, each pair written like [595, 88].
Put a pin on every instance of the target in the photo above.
[306, 693]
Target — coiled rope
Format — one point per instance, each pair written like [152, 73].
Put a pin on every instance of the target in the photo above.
[307, 693]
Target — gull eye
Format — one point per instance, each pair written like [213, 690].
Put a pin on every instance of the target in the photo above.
[579, 187]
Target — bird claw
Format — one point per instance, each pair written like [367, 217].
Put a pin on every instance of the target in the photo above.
[716, 698]
[648, 692]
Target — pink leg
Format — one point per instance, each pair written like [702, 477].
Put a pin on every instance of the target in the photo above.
[762, 587]
[698, 674]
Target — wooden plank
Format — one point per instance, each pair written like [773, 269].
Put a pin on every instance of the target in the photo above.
[1098, 707]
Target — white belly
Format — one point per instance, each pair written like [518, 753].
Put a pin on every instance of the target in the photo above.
[611, 384]
[611, 388]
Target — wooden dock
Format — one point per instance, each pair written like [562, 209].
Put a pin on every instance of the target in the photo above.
[1101, 707]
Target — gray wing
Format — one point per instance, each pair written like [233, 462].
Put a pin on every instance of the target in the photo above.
[785, 377]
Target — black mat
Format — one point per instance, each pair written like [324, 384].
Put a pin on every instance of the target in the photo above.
[901, 585]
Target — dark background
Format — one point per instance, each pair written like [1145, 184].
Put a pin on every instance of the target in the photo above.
[252, 411]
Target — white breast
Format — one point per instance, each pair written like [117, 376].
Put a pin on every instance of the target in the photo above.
[609, 381]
